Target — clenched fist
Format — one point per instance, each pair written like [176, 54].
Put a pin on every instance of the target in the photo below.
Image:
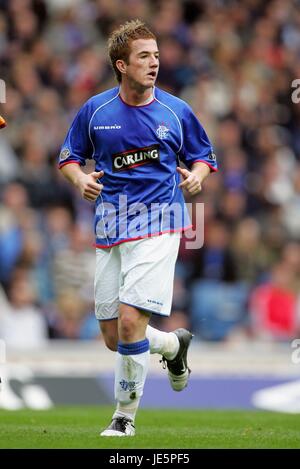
[191, 181]
[89, 186]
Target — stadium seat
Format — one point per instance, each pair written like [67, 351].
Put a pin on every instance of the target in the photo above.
[216, 308]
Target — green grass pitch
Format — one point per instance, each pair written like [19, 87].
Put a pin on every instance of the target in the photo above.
[78, 427]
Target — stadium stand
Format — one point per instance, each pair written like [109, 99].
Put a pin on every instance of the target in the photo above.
[235, 63]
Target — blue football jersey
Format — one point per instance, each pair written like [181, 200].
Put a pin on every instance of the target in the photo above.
[138, 148]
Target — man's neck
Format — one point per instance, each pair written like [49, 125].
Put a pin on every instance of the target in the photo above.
[136, 97]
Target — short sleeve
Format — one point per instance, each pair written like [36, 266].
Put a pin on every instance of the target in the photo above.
[196, 145]
[77, 146]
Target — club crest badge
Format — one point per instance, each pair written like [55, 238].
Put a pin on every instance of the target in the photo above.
[212, 156]
[162, 131]
[64, 154]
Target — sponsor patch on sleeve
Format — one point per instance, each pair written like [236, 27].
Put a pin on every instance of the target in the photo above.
[212, 156]
[64, 154]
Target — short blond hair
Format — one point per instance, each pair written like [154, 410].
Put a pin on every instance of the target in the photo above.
[119, 42]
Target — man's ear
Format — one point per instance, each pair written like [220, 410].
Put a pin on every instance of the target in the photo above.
[121, 66]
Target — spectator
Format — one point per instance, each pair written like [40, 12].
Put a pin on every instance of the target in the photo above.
[22, 324]
[274, 307]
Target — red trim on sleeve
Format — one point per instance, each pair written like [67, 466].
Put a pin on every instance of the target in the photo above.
[209, 165]
[68, 162]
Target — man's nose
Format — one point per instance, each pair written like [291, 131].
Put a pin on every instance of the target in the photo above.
[154, 62]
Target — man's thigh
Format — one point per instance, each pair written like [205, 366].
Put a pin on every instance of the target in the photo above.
[147, 273]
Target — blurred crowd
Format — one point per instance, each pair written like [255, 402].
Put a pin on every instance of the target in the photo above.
[234, 62]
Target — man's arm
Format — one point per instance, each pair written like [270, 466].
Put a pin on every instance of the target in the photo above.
[193, 179]
[87, 184]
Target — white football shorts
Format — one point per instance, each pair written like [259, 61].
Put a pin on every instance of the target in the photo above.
[138, 273]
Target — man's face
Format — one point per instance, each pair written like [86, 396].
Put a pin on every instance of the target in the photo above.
[143, 63]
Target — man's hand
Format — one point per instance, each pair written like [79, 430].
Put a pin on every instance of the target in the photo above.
[88, 185]
[191, 181]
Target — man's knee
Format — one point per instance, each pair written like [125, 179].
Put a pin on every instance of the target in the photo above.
[132, 324]
[128, 325]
